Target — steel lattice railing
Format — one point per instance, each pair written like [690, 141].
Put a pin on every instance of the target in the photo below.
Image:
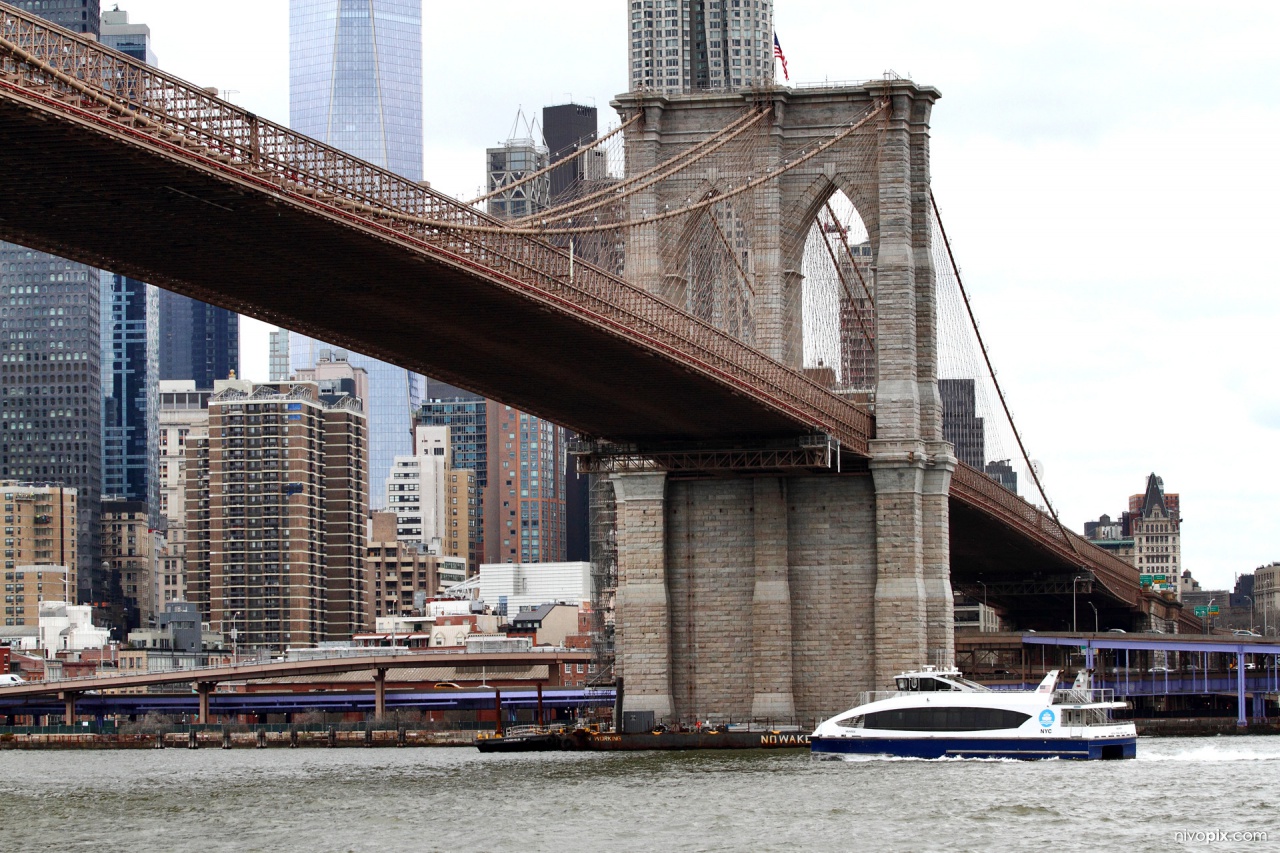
[127, 96]
[976, 489]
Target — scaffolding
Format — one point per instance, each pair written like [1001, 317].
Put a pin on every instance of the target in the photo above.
[603, 518]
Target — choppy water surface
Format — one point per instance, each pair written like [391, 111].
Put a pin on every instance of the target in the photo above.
[458, 800]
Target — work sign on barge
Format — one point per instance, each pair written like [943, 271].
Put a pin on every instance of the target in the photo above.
[940, 714]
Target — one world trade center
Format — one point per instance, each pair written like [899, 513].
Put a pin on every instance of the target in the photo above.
[355, 82]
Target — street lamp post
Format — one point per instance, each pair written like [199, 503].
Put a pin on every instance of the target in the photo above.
[1250, 597]
[235, 639]
[1095, 616]
[1205, 621]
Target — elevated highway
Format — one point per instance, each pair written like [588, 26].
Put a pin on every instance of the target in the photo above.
[206, 679]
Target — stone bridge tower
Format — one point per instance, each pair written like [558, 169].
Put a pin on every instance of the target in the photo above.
[776, 594]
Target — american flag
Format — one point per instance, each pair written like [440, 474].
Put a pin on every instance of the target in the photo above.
[777, 53]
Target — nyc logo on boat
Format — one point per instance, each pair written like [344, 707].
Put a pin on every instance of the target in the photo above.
[1046, 718]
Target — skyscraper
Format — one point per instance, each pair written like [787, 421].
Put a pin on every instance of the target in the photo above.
[466, 416]
[79, 16]
[1155, 521]
[184, 414]
[355, 78]
[961, 424]
[566, 128]
[50, 358]
[509, 164]
[278, 356]
[197, 341]
[39, 548]
[519, 464]
[703, 44]
[355, 82]
[130, 387]
[131, 39]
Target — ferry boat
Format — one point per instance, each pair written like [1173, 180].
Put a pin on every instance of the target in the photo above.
[940, 714]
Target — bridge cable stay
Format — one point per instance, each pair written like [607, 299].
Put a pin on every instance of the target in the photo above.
[580, 151]
[661, 172]
[712, 197]
[953, 269]
[848, 251]
[708, 262]
[867, 337]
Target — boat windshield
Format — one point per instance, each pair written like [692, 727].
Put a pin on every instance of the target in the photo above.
[922, 684]
[932, 684]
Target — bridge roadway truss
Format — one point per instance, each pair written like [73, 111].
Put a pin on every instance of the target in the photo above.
[112, 163]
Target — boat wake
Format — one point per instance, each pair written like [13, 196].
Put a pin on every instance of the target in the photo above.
[1211, 753]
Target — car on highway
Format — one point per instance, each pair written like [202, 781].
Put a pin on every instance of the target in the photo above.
[8, 679]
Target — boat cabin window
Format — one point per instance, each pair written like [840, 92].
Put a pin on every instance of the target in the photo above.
[853, 721]
[945, 719]
[927, 684]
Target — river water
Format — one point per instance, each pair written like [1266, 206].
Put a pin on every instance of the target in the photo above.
[457, 800]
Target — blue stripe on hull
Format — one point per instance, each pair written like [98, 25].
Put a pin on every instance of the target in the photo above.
[967, 747]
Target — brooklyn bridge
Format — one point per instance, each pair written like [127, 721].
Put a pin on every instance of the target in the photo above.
[811, 511]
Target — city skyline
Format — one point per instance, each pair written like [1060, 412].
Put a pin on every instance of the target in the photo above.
[1020, 186]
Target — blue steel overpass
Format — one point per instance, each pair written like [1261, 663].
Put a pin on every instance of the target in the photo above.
[1156, 665]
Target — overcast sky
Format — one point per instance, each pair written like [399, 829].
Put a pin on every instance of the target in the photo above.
[1107, 172]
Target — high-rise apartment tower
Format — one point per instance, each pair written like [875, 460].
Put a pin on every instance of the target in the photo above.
[276, 514]
[691, 45]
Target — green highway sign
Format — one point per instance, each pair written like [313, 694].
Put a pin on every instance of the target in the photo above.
[1145, 580]
[1213, 609]
[1202, 612]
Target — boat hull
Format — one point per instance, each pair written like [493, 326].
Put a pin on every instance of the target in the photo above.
[1083, 749]
[582, 741]
[549, 742]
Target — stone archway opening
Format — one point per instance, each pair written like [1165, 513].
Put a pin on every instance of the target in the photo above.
[838, 299]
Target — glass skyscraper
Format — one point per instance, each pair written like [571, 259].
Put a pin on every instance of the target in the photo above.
[355, 78]
[131, 390]
[197, 341]
[355, 82]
